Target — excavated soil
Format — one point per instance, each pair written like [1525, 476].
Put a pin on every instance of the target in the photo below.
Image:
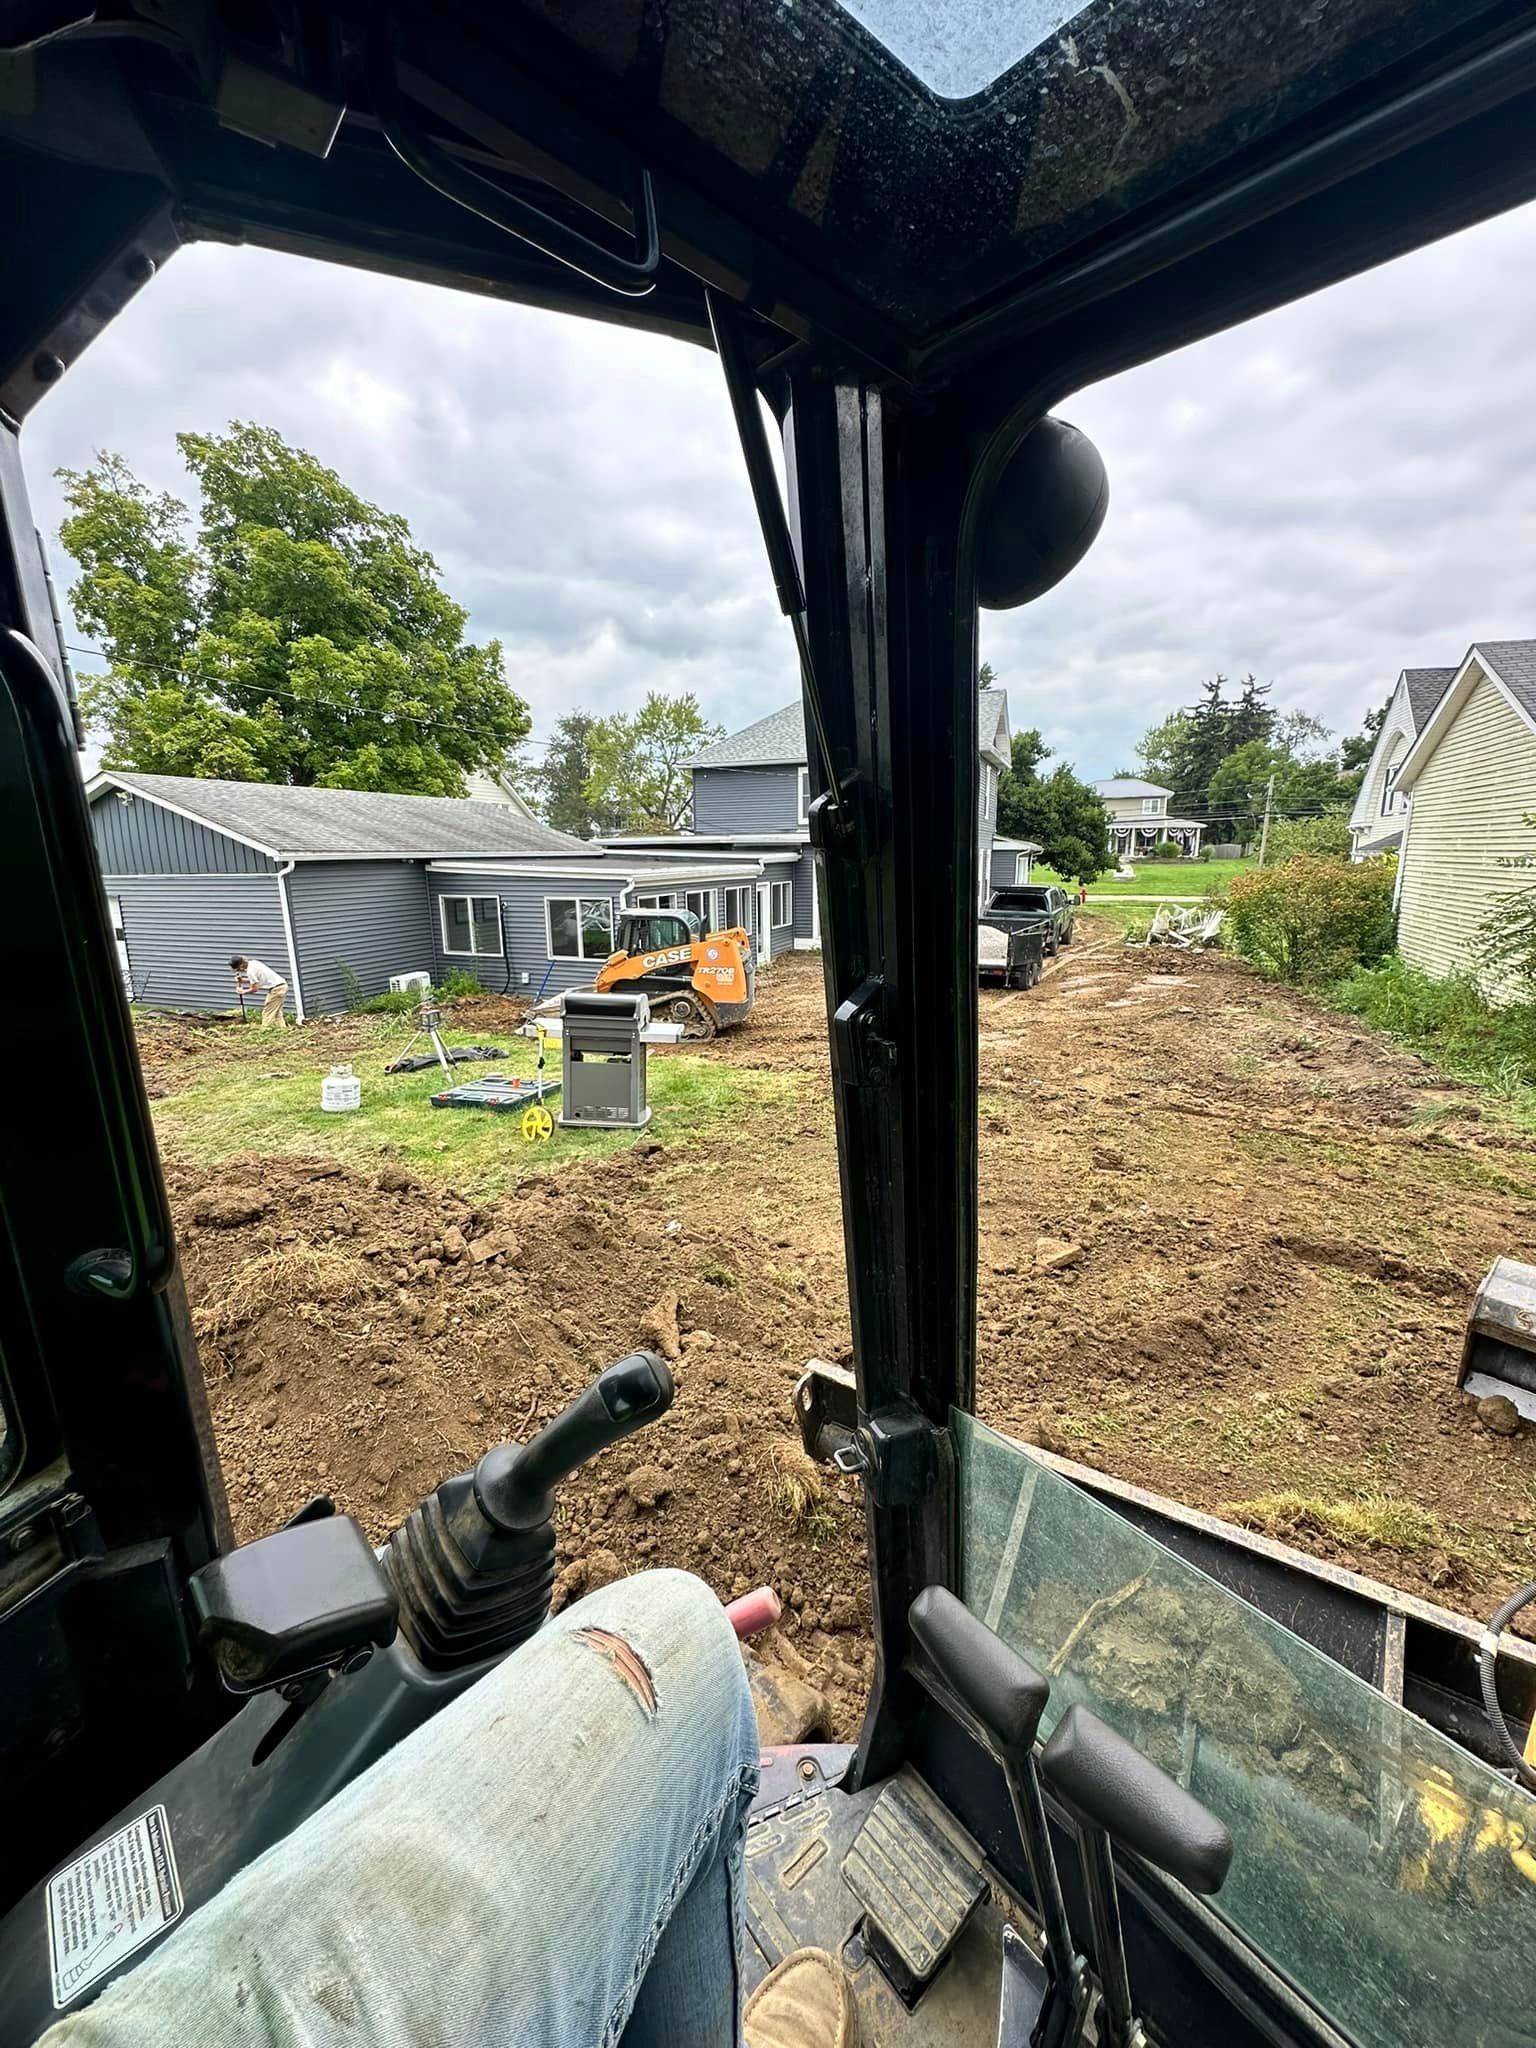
[1228, 1241]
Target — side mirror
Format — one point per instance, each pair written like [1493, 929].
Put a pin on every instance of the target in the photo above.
[1045, 515]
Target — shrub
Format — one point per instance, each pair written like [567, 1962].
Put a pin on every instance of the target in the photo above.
[1167, 849]
[458, 981]
[391, 1002]
[353, 996]
[1312, 919]
[1291, 837]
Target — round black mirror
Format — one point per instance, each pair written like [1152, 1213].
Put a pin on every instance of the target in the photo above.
[1044, 516]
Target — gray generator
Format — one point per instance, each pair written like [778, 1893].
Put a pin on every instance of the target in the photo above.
[603, 1061]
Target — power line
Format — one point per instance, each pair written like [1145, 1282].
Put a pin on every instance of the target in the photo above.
[184, 675]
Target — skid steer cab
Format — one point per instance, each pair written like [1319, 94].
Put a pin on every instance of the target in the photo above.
[706, 982]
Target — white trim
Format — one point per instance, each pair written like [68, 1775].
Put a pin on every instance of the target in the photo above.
[807, 946]
[104, 779]
[285, 869]
[470, 896]
[722, 923]
[777, 924]
[803, 793]
[192, 875]
[1448, 710]
[815, 938]
[613, 876]
[581, 953]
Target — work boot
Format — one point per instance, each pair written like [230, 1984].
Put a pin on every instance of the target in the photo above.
[803, 2002]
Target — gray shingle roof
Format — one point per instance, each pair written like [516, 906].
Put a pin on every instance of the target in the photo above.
[1514, 662]
[774, 741]
[1425, 687]
[992, 724]
[779, 739]
[1127, 785]
[320, 824]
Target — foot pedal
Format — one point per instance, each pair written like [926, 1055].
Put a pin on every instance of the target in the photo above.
[916, 1883]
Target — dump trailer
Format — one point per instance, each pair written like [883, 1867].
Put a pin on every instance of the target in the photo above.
[704, 981]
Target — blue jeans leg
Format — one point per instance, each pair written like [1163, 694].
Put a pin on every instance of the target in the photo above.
[557, 1851]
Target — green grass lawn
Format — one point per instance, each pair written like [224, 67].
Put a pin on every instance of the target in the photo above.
[1158, 878]
[275, 1109]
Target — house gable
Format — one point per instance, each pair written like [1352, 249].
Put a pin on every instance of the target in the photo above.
[1465, 831]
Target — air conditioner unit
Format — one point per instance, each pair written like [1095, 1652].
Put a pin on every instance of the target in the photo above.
[400, 982]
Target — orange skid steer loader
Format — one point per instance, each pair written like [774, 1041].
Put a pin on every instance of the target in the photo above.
[704, 981]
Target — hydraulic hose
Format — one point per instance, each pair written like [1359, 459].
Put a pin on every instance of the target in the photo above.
[1488, 1666]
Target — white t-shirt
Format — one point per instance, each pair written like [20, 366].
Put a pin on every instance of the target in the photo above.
[259, 975]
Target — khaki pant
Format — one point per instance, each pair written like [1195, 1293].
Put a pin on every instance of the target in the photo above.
[272, 1008]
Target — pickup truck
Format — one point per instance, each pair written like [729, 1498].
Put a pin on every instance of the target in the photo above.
[1030, 904]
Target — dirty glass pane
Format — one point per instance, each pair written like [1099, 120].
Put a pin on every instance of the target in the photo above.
[960, 46]
[927, 153]
[1386, 1872]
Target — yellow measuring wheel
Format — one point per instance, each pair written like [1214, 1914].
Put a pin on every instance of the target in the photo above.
[538, 1124]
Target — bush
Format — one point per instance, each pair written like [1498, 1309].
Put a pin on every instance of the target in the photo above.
[353, 997]
[1167, 849]
[1328, 834]
[458, 981]
[1450, 1021]
[1312, 919]
[393, 1002]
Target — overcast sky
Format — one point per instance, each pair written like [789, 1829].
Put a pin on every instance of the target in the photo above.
[1328, 495]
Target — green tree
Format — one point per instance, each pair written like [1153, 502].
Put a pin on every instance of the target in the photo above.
[639, 773]
[298, 636]
[1355, 752]
[986, 677]
[1327, 834]
[1162, 749]
[1058, 810]
[560, 783]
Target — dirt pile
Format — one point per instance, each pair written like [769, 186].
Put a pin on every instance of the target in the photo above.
[366, 1336]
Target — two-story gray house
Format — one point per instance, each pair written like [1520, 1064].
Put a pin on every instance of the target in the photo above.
[751, 799]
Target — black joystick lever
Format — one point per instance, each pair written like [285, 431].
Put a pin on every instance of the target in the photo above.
[474, 1565]
[515, 1483]
[1004, 1697]
[1115, 1794]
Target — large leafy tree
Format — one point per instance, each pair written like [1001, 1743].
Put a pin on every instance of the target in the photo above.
[1057, 810]
[297, 634]
[560, 784]
[639, 775]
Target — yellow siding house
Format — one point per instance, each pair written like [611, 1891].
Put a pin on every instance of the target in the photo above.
[1470, 779]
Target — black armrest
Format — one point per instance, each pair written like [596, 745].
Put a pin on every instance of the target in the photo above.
[1006, 1695]
[1108, 1782]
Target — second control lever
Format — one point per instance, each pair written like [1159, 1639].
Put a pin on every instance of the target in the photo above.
[1005, 1697]
[1115, 1794]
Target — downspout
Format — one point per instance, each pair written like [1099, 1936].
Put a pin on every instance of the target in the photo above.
[284, 869]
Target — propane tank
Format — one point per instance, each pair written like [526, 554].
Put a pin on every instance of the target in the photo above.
[341, 1089]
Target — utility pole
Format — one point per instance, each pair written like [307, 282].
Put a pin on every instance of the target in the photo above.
[1269, 797]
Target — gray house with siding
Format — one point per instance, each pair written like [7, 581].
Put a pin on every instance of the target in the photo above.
[751, 798]
[339, 890]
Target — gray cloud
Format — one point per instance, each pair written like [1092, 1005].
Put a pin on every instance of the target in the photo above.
[1324, 496]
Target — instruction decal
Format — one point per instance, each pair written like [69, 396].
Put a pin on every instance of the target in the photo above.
[109, 1902]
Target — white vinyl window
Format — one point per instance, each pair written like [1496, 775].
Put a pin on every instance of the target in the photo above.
[1390, 799]
[1150, 806]
[579, 927]
[471, 924]
[1021, 863]
[735, 909]
[782, 903]
[803, 805]
[696, 901]
[667, 901]
[986, 791]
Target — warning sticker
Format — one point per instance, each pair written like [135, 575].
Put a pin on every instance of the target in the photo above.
[109, 1902]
